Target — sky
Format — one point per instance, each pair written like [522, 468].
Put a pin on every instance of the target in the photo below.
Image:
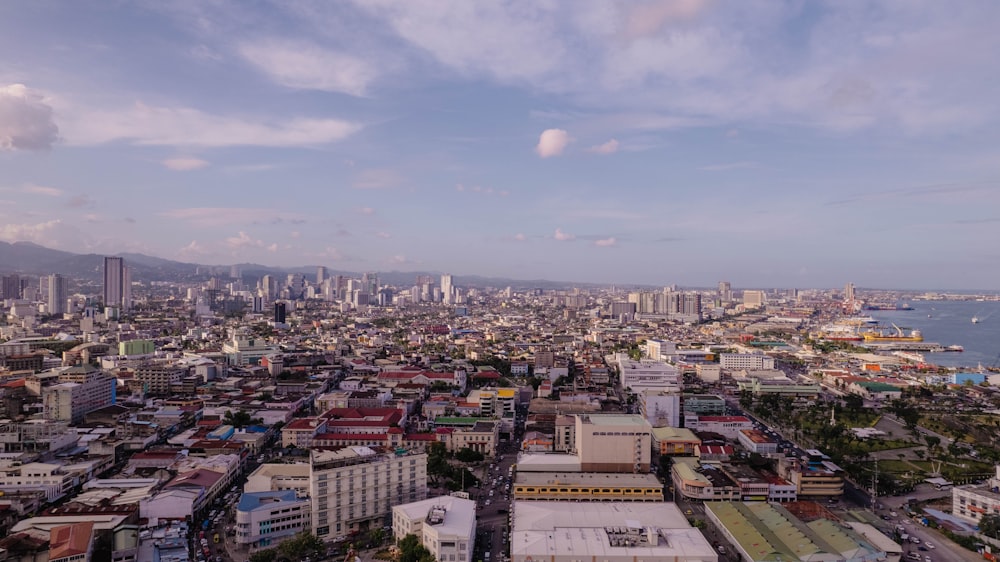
[767, 143]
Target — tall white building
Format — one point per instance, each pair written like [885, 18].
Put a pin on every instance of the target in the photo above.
[80, 390]
[446, 288]
[57, 294]
[354, 488]
[661, 408]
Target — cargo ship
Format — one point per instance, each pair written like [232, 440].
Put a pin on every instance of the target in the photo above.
[881, 335]
[903, 306]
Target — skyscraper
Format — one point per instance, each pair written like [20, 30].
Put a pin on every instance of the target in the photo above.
[279, 312]
[725, 291]
[849, 292]
[446, 288]
[320, 275]
[11, 287]
[58, 292]
[117, 283]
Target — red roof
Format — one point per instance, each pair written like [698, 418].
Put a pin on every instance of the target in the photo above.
[724, 419]
[421, 437]
[16, 383]
[351, 437]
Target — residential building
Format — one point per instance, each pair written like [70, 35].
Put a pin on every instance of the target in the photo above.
[814, 475]
[972, 502]
[117, 284]
[354, 488]
[80, 390]
[637, 376]
[751, 361]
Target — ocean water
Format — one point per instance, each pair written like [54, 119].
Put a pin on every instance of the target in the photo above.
[950, 323]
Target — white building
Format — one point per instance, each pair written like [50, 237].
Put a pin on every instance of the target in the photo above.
[37, 476]
[445, 525]
[355, 487]
[274, 477]
[267, 518]
[727, 426]
[660, 350]
[80, 390]
[661, 408]
[751, 361]
[637, 376]
[557, 531]
[971, 503]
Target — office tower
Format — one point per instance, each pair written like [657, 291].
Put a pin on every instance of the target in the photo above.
[56, 293]
[725, 291]
[117, 281]
[446, 288]
[369, 283]
[754, 299]
[258, 304]
[320, 275]
[279, 312]
[849, 292]
[296, 285]
[11, 287]
[235, 272]
[339, 286]
[268, 287]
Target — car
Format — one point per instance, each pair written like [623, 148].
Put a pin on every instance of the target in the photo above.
[913, 556]
[929, 545]
[914, 540]
[927, 559]
[689, 512]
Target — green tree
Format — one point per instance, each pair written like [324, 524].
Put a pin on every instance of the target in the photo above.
[239, 419]
[268, 555]
[410, 550]
[854, 403]
[468, 455]
[989, 525]
[302, 545]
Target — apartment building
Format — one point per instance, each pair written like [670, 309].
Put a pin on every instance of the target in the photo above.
[354, 488]
[445, 525]
[80, 390]
[751, 361]
[971, 503]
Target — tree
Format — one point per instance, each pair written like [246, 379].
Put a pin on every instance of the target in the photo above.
[854, 403]
[241, 418]
[410, 550]
[302, 545]
[469, 455]
[268, 555]
[989, 525]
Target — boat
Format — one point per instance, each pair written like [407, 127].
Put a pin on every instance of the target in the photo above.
[954, 348]
[880, 335]
[975, 319]
[903, 306]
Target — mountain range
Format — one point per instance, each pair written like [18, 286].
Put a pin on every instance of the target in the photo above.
[31, 259]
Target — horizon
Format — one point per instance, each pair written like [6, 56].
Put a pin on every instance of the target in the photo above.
[663, 142]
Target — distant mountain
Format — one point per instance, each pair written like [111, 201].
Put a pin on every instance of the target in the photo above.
[31, 259]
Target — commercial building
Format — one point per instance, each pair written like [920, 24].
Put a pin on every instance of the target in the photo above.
[727, 426]
[762, 531]
[117, 284]
[757, 441]
[612, 532]
[677, 441]
[267, 518]
[354, 488]
[80, 390]
[704, 404]
[587, 486]
[661, 408]
[971, 503]
[752, 361]
[613, 443]
[814, 475]
[445, 525]
[637, 376]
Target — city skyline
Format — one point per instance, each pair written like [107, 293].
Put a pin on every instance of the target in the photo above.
[768, 144]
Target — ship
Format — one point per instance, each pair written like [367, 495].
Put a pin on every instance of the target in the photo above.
[903, 306]
[975, 319]
[881, 335]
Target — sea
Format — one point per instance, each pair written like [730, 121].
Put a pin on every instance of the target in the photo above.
[950, 323]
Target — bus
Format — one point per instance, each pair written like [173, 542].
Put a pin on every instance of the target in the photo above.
[216, 538]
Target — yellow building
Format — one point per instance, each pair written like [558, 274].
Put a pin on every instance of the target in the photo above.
[584, 486]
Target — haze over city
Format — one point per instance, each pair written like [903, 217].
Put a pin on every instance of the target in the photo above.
[766, 143]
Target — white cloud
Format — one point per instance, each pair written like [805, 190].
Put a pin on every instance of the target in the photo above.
[192, 250]
[520, 237]
[184, 164]
[552, 142]
[606, 242]
[383, 235]
[609, 147]
[42, 190]
[367, 211]
[26, 121]
[142, 124]
[306, 66]
[563, 236]
[401, 260]
[216, 216]
[44, 233]
[243, 240]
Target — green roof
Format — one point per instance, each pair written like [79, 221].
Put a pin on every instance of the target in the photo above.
[457, 421]
[874, 386]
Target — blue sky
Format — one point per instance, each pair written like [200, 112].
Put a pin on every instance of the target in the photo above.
[766, 143]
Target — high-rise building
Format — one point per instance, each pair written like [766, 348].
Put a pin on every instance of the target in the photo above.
[57, 293]
[268, 287]
[117, 283]
[725, 291]
[446, 288]
[320, 275]
[849, 292]
[296, 286]
[11, 286]
[279, 312]
[754, 299]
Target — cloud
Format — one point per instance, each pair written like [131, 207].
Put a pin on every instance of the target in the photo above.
[305, 66]
[606, 242]
[45, 233]
[648, 18]
[331, 253]
[376, 179]
[143, 124]
[401, 260]
[563, 236]
[192, 250]
[26, 120]
[552, 142]
[295, 234]
[216, 216]
[243, 240]
[609, 147]
[184, 164]
[520, 237]
[42, 190]
[383, 235]
[367, 211]
[481, 190]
